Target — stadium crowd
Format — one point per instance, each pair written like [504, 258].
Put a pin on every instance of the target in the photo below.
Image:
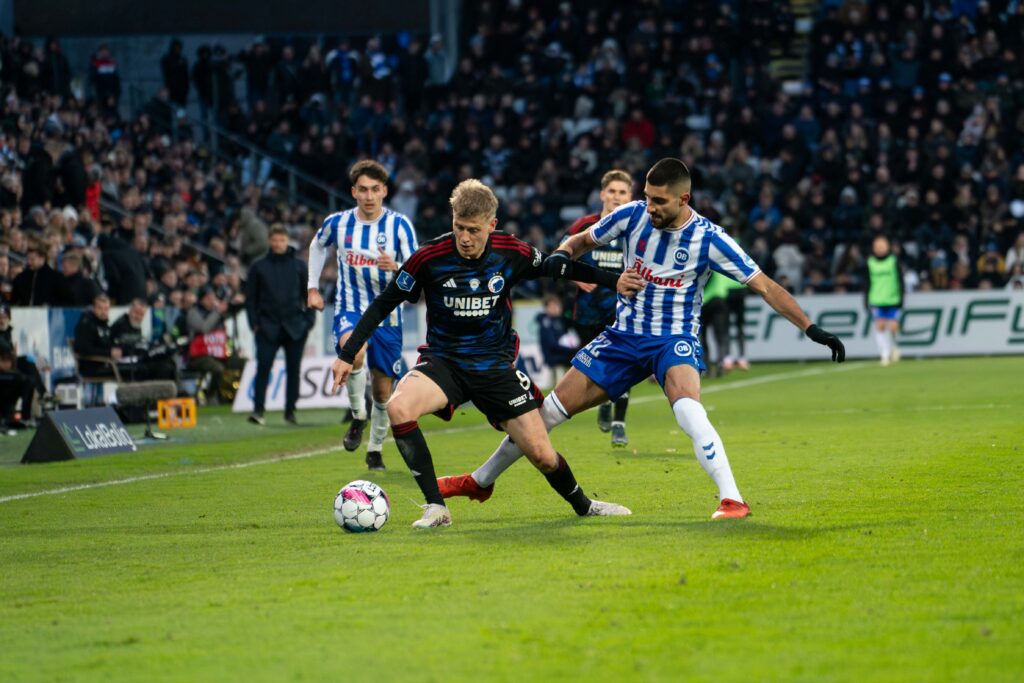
[909, 121]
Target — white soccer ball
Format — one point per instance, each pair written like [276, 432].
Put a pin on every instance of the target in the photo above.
[361, 506]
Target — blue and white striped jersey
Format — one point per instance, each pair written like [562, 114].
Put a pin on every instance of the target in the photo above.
[358, 245]
[676, 265]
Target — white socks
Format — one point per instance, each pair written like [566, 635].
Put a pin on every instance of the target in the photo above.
[553, 415]
[707, 446]
[356, 386]
[379, 425]
[884, 342]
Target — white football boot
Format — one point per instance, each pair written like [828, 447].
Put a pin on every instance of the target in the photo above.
[599, 508]
[434, 515]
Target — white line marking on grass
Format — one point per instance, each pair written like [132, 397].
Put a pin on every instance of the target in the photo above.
[740, 384]
[765, 379]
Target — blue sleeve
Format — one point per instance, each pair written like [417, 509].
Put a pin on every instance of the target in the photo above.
[729, 259]
[618, 223]
[327, 235]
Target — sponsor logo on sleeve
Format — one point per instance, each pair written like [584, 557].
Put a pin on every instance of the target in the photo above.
[536, 257]
[405, 281]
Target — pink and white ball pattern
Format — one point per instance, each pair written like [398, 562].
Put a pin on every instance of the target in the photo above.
[361, 506]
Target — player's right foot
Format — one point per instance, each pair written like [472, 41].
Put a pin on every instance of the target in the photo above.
[463, 485]
[375, 461]
[604, 417]
[256, 419]
[731, 509]
[895, 355]
[599, 508]
[433, 516]
[619, 438]
[354, 435]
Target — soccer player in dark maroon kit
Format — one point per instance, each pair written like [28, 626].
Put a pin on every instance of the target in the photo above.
[466, 277]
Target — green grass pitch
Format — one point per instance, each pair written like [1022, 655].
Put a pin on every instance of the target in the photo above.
[887, 544]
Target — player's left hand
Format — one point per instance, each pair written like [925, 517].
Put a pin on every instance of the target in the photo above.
[629, 283]
[341, 372]
[385, 262]
[827, 339]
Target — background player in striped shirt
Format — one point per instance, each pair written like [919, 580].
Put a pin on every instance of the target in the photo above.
[466, 277]
[595, 306]
[372, 242]
[675, 250]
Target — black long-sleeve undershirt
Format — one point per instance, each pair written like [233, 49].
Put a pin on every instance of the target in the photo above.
[392, 297]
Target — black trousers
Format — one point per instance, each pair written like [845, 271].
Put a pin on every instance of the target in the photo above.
[265, 352]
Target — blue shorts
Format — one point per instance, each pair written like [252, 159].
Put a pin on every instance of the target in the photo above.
[384, 350]
[615, 360]
[885, 312]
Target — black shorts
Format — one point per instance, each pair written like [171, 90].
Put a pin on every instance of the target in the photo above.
[499, 394]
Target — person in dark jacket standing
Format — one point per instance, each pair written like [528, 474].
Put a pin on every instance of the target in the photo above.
[174, 68]
[79, 289]
[38, 284]
[276, 305]
[123, 267]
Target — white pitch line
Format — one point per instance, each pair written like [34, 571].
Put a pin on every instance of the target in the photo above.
[453, 430]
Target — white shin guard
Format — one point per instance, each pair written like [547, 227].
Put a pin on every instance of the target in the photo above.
[356, 386]
[379, 425]
[707, 445]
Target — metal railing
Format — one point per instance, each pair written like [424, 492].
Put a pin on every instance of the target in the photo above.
[297, 183]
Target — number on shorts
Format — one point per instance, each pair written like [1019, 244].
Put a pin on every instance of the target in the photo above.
[600, 341]
[524, 380]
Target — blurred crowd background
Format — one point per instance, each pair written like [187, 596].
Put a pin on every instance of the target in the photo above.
[902, 118]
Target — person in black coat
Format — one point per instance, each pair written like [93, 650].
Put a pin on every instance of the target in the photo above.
[93, 338]
[80, 290]
[174, 68]
[125, 268]
[38, 284]
[276, 305]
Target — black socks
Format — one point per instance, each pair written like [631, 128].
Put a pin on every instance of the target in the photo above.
[413, 448]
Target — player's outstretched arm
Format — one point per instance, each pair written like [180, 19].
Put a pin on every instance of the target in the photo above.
[374, 315]
[785, 305]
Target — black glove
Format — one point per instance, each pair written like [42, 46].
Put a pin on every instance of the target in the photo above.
[558, 265]
[828, 339]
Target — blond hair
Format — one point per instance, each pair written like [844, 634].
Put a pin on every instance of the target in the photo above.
[473, 199]
[616, 175]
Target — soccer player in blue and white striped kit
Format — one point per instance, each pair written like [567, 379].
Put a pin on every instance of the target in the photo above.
[675, 250]
[372, 242]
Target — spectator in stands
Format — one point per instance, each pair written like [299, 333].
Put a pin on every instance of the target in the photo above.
[38, 284]
[208, 351]
[174, 68]
[105, 79]
[125, 268]
[93, 341]
[80, 290]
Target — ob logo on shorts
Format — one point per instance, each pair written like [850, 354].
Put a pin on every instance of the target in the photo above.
[683, 349]
[682, 257]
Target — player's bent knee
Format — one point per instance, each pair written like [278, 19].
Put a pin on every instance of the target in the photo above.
[401, 411]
